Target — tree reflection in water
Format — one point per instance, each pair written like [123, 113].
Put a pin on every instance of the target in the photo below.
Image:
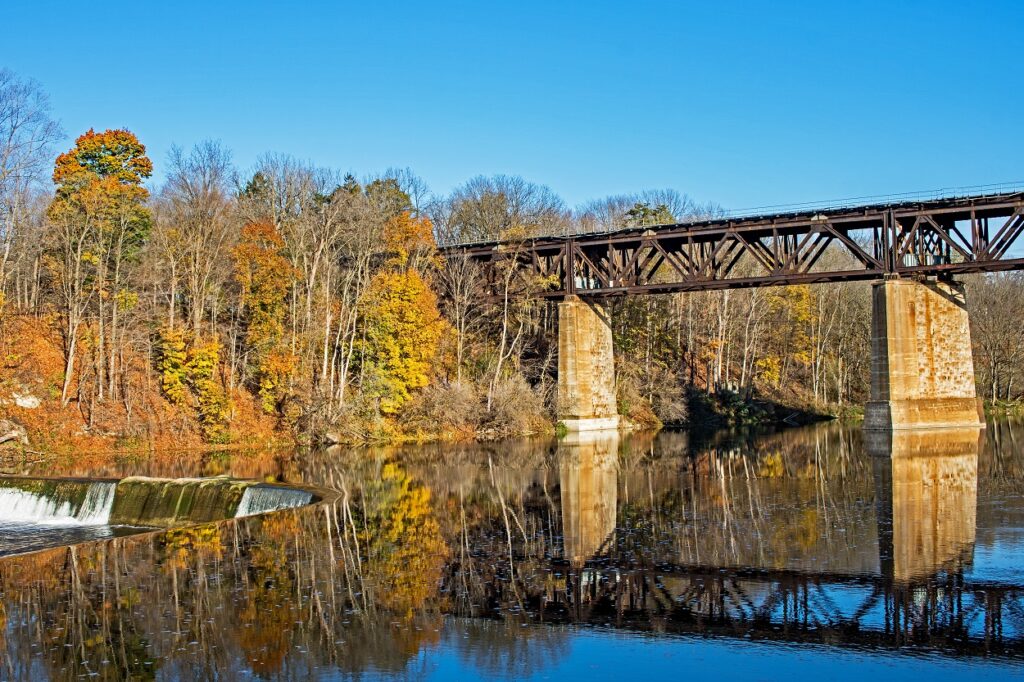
[492, 551]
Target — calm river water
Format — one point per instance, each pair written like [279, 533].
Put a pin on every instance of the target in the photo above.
[810, 552]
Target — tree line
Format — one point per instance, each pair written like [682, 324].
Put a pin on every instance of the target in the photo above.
[293, 299]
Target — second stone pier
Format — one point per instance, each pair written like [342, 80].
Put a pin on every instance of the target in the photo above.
[922, 372]
[586, 367]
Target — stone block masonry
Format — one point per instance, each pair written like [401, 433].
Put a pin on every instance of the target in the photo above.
[586, 367]
[922, 372]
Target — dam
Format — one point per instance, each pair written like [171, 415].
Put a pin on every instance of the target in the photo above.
[36, 513]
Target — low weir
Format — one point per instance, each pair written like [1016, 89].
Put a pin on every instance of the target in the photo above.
[141, 501]
[56, 502]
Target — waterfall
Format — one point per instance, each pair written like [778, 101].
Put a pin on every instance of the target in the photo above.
[99, 500]
[71, 503]
[258, 499]
[140, 501]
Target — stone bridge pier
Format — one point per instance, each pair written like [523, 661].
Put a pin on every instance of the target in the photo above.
[922, 372]
[586, 367]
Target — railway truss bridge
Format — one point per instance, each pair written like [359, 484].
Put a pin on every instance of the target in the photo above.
[922, 372]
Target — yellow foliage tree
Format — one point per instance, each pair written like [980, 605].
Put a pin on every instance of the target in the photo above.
[403, 329]
[190, 368]
[171, 365]
[794, 304]
[410, 241]
[211, 402]
[401, 321]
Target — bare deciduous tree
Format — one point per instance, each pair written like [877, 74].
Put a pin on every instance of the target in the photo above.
[27, 134]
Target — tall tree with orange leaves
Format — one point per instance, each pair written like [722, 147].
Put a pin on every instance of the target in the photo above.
[265, 277]
[99, 222]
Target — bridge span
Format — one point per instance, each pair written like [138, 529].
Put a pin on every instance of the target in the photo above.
[922, 371]
[940, 237]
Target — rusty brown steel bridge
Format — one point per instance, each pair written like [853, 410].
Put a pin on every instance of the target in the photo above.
[922, 372]
[934, 237]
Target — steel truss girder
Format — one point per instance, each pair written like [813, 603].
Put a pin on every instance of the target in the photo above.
[938, 238]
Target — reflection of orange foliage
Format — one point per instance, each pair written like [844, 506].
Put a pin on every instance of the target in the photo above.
[269, 611]
[407, 550]
[277, 532]
[410, 637]
[44, 569]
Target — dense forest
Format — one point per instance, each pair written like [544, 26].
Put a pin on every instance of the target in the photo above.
[291, 302]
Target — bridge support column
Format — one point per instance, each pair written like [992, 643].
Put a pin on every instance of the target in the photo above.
[586, 367]
[922, 372]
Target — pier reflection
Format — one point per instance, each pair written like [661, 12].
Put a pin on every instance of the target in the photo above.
[802, 536]
[926, 485]
[588, 466]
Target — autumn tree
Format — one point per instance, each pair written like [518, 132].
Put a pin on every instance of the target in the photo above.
[100, 221]
[189, 367]
[388, 198]
[194, 231]
[642, 208]
[401, 322]
[996, 305]
[26, 134]
[460, 282]
[484, 208]
[264, 278]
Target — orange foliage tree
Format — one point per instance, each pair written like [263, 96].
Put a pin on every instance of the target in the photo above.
[265, 276]
[99, 220]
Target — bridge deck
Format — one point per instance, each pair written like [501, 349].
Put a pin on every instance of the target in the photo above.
[938, 237]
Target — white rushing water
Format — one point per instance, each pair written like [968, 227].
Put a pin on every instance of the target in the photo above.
[258, 499]
[98, 502]
[93, 510]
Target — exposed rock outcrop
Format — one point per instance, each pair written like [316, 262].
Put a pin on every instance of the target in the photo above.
[11, 432]
[26, 400]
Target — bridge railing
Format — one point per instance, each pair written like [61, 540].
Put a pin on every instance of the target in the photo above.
[880, 199]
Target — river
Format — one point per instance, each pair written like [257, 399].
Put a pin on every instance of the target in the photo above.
[811, 551]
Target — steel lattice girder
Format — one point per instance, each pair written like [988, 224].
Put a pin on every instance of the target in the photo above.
[942, 237]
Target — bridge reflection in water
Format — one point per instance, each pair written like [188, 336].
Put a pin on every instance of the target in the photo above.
[912, 592]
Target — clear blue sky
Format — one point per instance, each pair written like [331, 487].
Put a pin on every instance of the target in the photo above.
[745, 104]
